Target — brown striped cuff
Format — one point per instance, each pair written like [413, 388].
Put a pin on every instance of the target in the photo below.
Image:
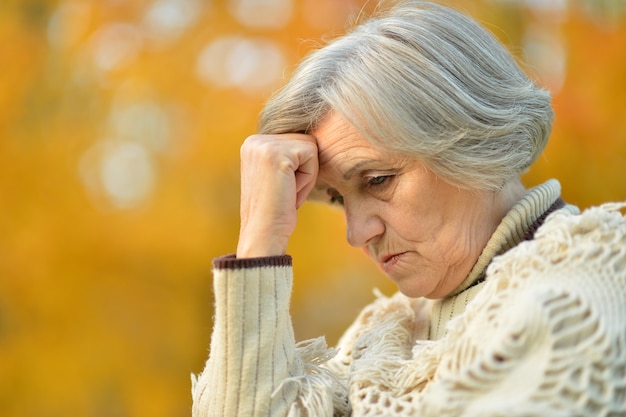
[232, 262]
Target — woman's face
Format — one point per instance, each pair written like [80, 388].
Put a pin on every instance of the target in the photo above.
[423, 232]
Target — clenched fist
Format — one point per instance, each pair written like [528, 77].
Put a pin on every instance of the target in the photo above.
[277, 174]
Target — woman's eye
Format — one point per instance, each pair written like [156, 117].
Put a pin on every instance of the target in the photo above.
[379, 180]
[335, 197]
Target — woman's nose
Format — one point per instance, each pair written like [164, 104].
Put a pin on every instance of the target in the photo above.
[362, 226]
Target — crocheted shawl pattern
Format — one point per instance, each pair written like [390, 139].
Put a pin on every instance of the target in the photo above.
[545, 336]
[542, 335]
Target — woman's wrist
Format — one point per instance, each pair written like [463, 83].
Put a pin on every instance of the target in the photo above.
[260, 247]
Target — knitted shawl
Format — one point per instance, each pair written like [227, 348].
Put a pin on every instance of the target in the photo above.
[536, 329]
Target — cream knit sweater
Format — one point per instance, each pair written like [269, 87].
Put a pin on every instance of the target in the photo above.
[539, 330]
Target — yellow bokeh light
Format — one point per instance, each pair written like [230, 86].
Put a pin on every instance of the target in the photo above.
[120, 130]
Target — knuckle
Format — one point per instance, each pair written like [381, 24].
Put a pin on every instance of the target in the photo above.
[249, 143]
[283, 153]
[255, 144]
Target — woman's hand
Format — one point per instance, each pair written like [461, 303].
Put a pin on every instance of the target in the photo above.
[277, 174]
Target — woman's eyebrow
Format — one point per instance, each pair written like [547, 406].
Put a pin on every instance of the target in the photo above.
[349, 173]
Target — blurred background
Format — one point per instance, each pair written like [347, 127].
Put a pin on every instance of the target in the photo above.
[120, 127]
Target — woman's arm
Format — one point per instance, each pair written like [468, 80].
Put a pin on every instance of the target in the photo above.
[255, 367]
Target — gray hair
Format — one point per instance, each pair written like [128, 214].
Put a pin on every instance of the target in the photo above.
[427, 81]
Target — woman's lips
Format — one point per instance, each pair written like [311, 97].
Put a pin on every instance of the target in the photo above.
[389, 261]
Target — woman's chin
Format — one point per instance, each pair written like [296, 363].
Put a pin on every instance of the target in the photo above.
[411, 287]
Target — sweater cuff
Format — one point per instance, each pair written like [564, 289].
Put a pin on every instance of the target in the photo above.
[232, 262]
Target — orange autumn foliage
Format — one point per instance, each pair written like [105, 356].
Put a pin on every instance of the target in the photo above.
[119, 183]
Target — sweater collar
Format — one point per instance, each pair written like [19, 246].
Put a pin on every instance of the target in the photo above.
[519, 224]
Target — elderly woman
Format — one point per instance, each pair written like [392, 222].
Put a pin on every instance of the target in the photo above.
[419, 123]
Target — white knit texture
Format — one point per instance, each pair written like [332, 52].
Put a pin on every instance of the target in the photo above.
[543, 335]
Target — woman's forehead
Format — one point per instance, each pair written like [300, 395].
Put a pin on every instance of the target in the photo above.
[337, 138]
